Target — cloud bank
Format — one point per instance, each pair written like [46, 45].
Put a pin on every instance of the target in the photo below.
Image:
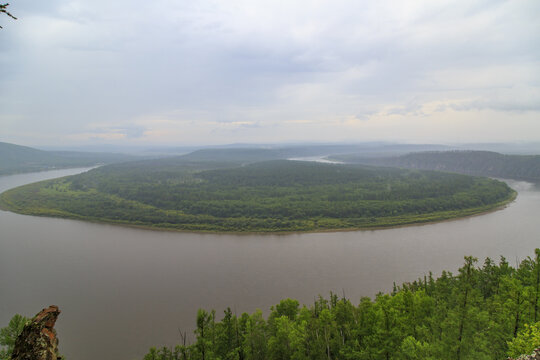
[214, 72]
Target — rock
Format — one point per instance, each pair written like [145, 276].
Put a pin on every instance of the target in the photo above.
[534, 356]
[38, 339]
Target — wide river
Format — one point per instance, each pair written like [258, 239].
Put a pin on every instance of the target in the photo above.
[122, 290]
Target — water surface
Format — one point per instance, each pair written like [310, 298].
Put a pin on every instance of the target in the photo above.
[122, 290]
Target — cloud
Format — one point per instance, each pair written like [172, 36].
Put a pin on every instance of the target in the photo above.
[259, 67]
[95, 136]
[516, 99]
[106, 132]
[482, 104]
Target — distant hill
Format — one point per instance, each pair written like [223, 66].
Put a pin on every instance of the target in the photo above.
[483, 163]
[247, 155]
[19, 159]
[253, 154]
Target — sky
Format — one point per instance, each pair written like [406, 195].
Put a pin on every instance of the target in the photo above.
[131, 72]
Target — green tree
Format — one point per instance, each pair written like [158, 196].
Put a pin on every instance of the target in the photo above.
[466, 285]
[8, 335]
[288, 308]
[256, 337]
[205, 345]
[527, 340]
[226, 337]
[412, 349]
[536, 286]
[152, 354]
[280, 343]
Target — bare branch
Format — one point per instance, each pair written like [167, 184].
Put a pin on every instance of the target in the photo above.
[3, 10]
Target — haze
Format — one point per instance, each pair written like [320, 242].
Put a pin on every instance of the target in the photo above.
[214, 72]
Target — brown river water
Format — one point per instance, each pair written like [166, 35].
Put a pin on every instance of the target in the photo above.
[122, 290]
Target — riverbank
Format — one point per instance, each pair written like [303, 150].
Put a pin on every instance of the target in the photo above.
[370, 224]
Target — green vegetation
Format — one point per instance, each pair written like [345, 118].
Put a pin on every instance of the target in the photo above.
[20, 159]
[9, 334]
[480, 313]
[483, 163]
[526, 341]
[179, 193]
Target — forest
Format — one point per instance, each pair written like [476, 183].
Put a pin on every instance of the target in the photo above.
[277, 195]
[482, 163]
[15, 159]
[484, 311]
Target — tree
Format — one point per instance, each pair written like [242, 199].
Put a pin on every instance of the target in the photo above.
[9, 334]
[255, 342]
[3, 8]
[412, 349]
[527, 340]
[536, 285]
[466, 283]
[226, 336]
[205, 332]
[478, 314]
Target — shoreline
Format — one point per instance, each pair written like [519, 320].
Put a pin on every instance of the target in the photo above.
[473, 213]
[59, 168]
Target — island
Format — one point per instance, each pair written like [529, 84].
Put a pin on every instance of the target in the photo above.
[234, 195]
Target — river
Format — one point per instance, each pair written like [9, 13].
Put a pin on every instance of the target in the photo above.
[122, 290]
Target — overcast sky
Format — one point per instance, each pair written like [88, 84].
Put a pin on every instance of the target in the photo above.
[216, 72]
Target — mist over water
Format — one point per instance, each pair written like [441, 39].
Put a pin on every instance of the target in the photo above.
[122, 290]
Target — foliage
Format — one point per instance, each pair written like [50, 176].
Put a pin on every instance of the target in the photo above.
[275, 195]
[472, 315]
[9, 334]
[527, 340]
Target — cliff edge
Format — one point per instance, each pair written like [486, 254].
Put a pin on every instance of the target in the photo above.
[38, 339]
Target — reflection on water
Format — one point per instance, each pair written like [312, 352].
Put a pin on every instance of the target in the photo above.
[520, 186]
[122, 290]
[11, 181]
[319, 159]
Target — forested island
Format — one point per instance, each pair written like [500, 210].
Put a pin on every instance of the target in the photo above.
[241, 194]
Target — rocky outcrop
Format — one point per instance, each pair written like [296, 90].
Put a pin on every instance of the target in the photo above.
[38, 339]
[534, 356]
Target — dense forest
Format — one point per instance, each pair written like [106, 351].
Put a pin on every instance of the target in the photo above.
[279, 195]
[483, 163]
[480, 313]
